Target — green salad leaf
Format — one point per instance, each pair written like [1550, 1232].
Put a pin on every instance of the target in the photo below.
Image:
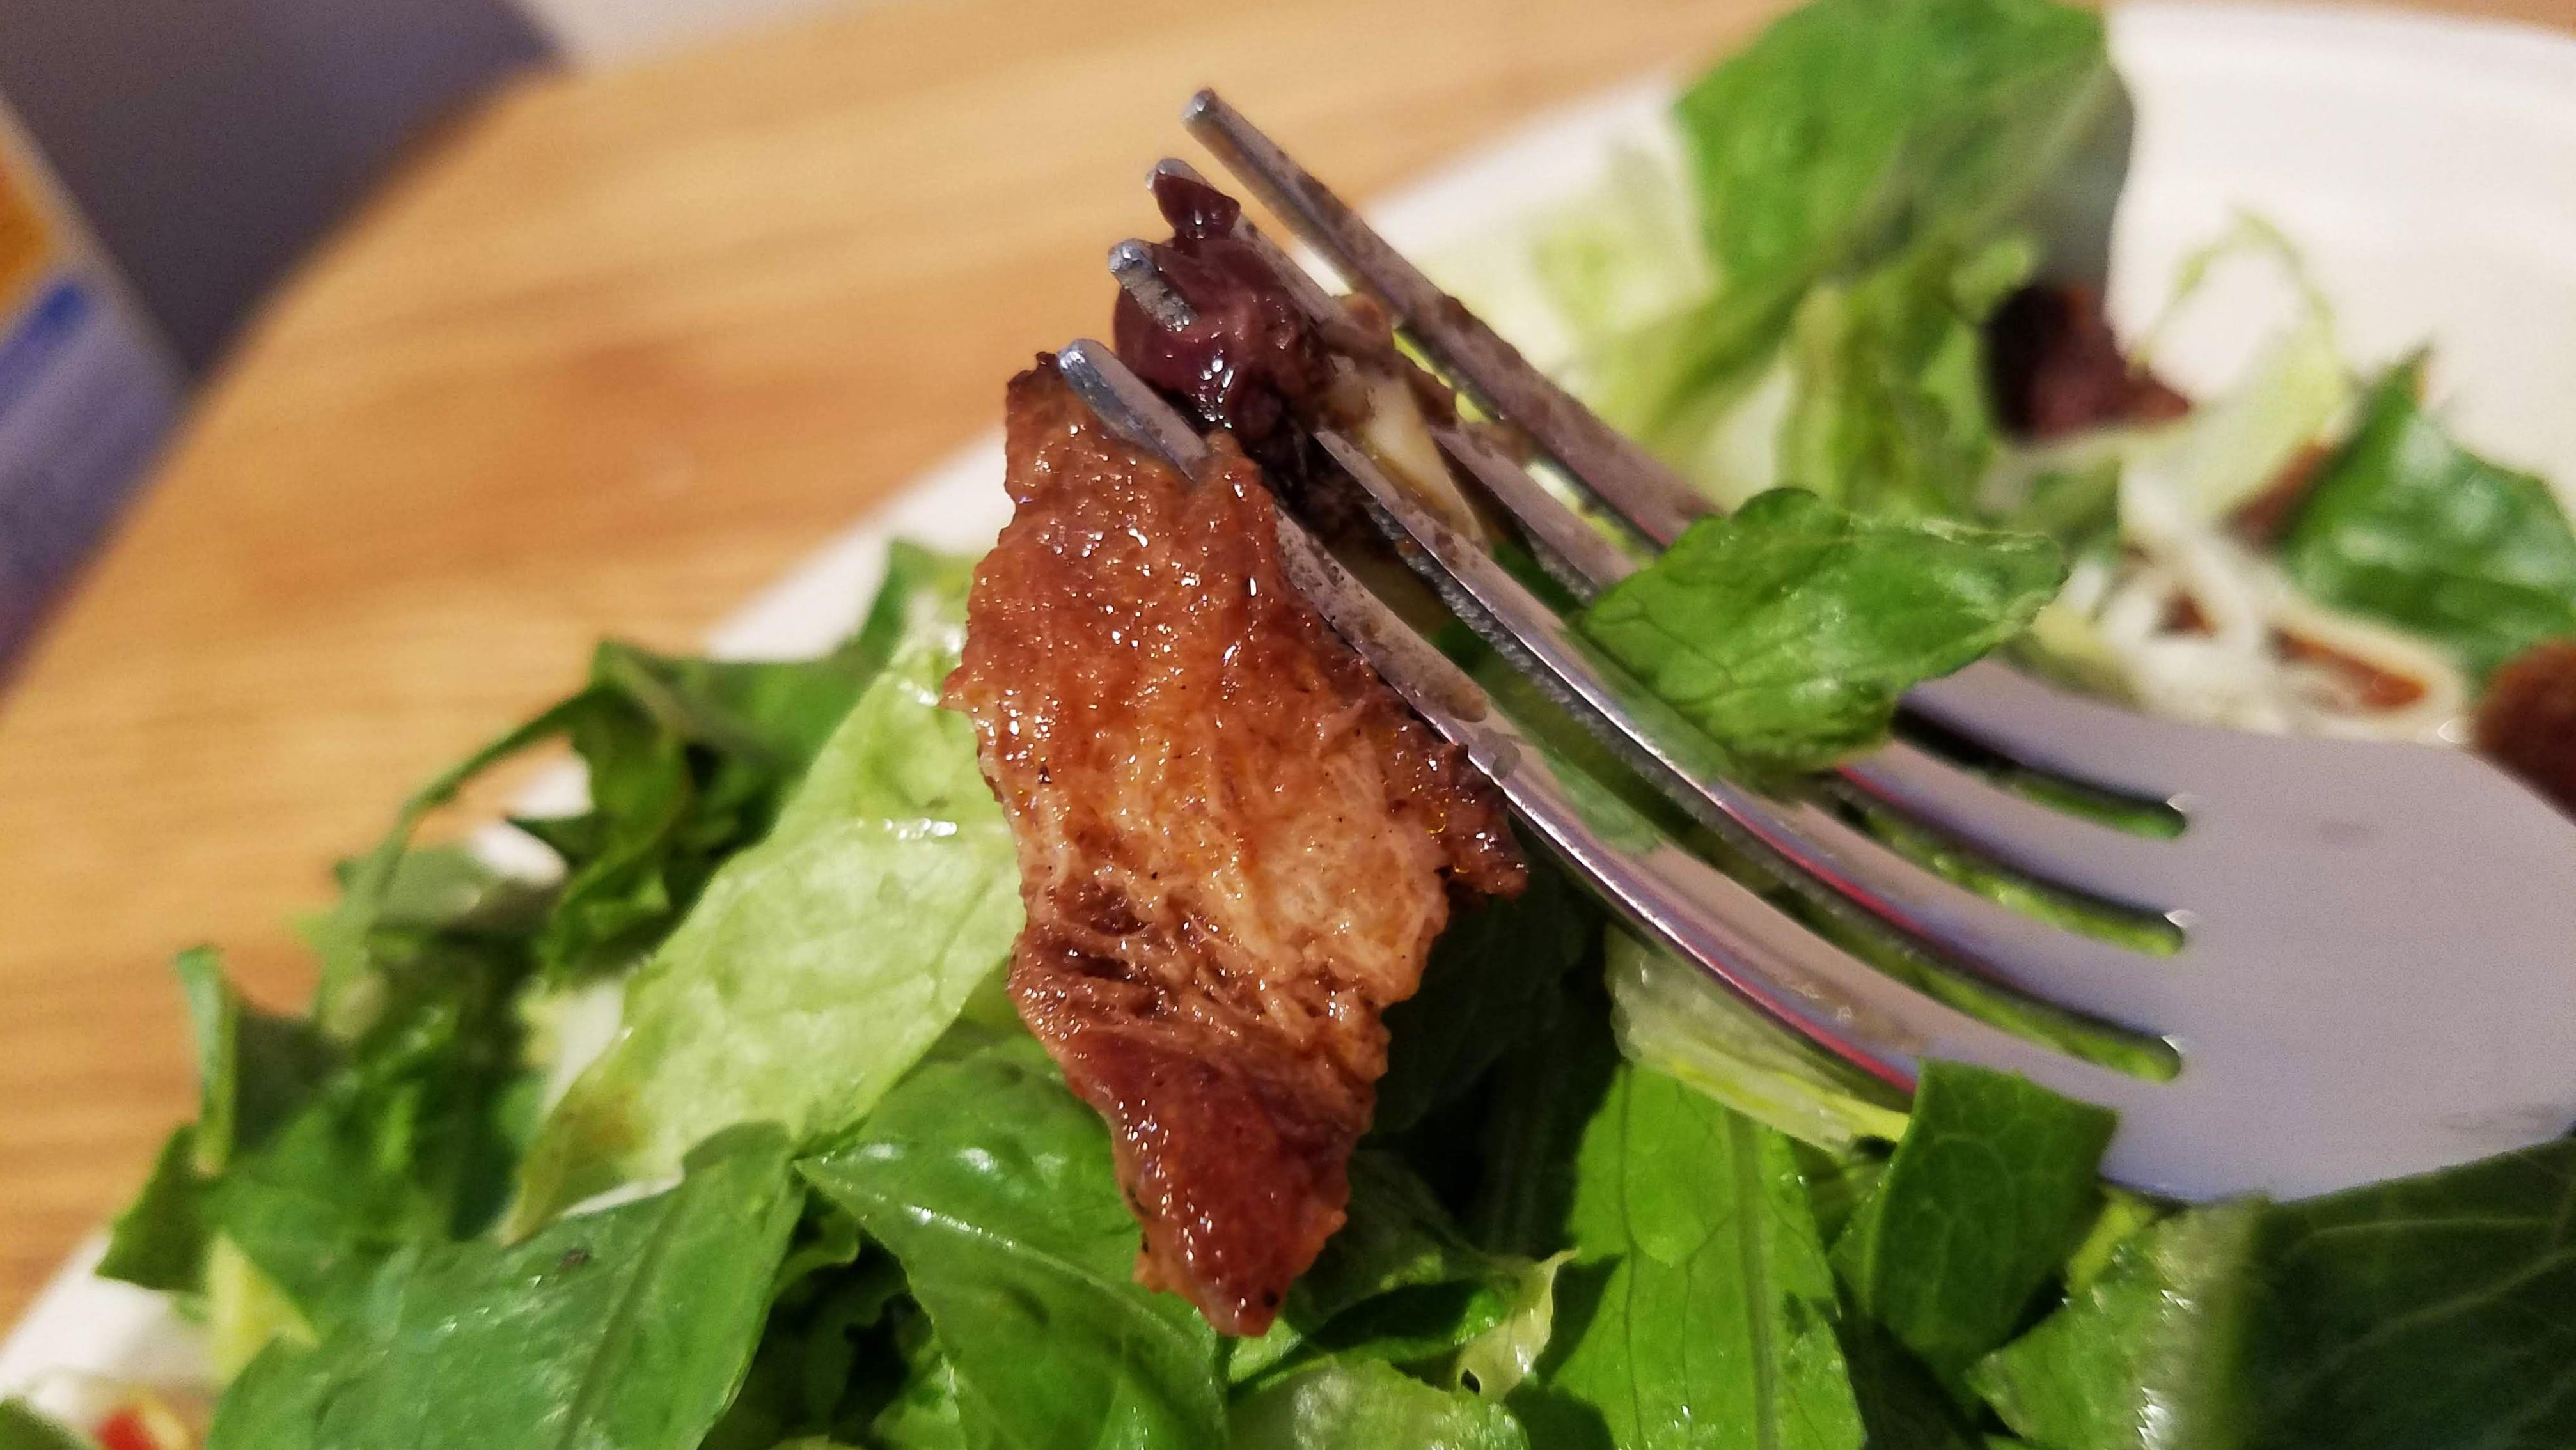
[1398, 1282]
[689, 761]
[819, 964]
[2426, 1312]
[1788, 631]
[1889, 414]
[1494, 977]
[1989, 1190]
[1333, 1404]
[992, 1185]
[24, 1427]
[626, 1329]
[1699, 1309]
[1675, 1018]
[2408, 526]
[1854, 132]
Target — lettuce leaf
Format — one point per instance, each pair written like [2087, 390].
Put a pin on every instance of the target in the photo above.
[2407, 526]
[992, 1185]
[1990, 1189]
[627, 1329]
[1334, 1405]
[1853, 132]
[2426, 1312]
[1676, 1019]
[818, 965]
[1788, 631]
[1494, 977]
[1399, 1282]
[1889, 413]
[689, 761]
[1699, 1309]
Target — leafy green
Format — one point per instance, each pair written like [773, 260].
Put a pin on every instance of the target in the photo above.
[1788, 631]
[1854, 129]
[24, 1427]
[1492, 979]
[2408, 526]
[1991, 1187]
[1399, 1282]
[2426, 1312]
[1675, 1018]
[408, 1139]
[2141, 1356]
[1853, 132]
[626, 1329]
[689, 761]
[1710, 1313]
[1890, 414]
[159, 1241]
[819, 964]
[1333, 1404]
[992, 1185]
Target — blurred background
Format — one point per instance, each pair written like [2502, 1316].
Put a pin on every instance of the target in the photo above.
[162, 162]
[361, 364]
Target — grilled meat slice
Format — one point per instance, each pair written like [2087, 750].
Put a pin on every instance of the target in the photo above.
[1235, 843]
[2054, 367]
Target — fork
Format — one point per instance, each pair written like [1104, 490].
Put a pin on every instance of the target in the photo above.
[2372, 936]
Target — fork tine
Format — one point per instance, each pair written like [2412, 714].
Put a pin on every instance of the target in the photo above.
[2140, 873]
[2047, 729]
[1636, 488]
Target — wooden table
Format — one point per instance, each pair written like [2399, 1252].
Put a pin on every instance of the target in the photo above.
[611, 352]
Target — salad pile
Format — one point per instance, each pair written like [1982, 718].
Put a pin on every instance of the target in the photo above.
[724, 1134]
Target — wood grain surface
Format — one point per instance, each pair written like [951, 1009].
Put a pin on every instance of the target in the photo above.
[611, 351]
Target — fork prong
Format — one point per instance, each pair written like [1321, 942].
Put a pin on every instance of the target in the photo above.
[1132, 263]
[1837, 865]
[2103, 746]
[2140, 873]
[1633, 485]
[1129, 408]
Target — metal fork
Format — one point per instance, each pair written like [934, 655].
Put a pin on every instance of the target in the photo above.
[2377, 940]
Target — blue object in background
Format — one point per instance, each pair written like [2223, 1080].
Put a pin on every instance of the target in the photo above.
[190, 151]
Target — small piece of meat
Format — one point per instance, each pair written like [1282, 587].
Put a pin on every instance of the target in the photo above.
[1236, 845]
[2265, 518]
[1249, 361]
[2527, 722]
[2054, 367]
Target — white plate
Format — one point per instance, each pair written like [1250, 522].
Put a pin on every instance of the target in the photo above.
[2426, 166]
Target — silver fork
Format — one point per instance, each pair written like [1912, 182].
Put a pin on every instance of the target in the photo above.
[2377, 940]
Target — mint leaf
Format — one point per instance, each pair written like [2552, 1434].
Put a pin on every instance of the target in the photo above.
[1788, 631]
[626, 1329]
[1990, 1188]
[819, 964]
[1705, 1312]
[992, 1185]
[2410, 527]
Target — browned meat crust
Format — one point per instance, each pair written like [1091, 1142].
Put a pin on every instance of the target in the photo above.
[2054, 367]
[2527, 722]
[1235, 844]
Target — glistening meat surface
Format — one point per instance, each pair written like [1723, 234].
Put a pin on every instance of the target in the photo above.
[1235, 843]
